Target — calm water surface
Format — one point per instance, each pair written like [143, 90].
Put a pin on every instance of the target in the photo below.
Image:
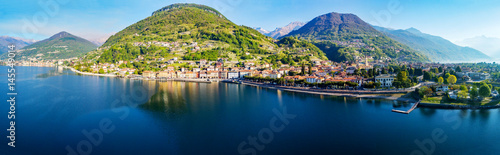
[55, 107]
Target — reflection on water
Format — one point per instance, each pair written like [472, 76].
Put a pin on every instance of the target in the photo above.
[56, 72]
[166, 100]
[427, 111]
[215, 118]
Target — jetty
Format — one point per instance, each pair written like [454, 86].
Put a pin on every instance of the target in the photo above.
[408, 111]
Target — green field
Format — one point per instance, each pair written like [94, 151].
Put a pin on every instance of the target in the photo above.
[439, 100]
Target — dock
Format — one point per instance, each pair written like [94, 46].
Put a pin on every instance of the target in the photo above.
[410, 110]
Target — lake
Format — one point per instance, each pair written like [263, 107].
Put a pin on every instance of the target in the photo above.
[60, 112]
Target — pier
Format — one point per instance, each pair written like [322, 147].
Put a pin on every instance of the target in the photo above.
[410, 110]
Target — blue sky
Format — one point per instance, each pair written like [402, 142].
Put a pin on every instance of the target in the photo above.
[95, 19]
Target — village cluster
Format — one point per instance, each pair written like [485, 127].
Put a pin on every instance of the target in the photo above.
[316, 72]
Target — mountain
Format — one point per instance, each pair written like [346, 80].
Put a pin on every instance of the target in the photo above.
[59, 46]
[345, 37]
[436, 48]
[261, 30]
[282, 31]
[19, 42]
[190, 32]
[488, 45]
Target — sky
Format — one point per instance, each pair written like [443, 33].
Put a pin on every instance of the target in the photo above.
[455, 20]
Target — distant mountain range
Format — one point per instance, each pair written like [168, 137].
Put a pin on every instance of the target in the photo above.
[345, 37]
[19, 42]
[59, 46]
[281, 31]
[436, 48]
[488, 45]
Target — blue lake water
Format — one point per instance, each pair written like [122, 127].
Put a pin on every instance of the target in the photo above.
[56, 107]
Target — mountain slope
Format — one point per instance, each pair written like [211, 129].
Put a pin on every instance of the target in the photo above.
[352, 38]
[434, 47]
[59, 46]
[190, 31]
[19, 42]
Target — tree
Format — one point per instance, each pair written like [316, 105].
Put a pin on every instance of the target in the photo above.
[101, 71]
[384, 71]
[462, 94]
[377, 84]
[310, 69]
[402, 80]
[370, 73]
[402, 76]
[458, 69]
[474, 93]
[427, 76]
[412, 71]
[452, 79]
[303, 71]
[425, 91]
[464, 88]
[440, 80]
[436, 70]
[484, 91]
[440, 69]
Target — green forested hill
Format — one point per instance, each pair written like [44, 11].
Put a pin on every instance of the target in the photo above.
[60, 46]
[191, 32]
[344, 36]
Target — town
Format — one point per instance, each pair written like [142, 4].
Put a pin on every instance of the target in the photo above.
[365, 76]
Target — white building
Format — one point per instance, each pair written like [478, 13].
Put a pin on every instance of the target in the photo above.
[385, 80]
[244, 73]
[232, 75]
[442, 88]
[452, 95]
[312, 79]
[275, 75]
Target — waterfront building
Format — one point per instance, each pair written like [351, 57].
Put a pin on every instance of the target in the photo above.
[232, 75]
[385, 80]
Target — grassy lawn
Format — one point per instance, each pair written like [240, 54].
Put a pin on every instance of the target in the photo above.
[439, 100]
[435, 100]
[490, 102]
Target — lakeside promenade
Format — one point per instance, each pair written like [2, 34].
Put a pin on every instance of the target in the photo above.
[338, 93]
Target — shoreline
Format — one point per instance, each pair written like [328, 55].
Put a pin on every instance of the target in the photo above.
[360, 95]
[85, 73]
[456, 107]
[351, 95]
[363, 95]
